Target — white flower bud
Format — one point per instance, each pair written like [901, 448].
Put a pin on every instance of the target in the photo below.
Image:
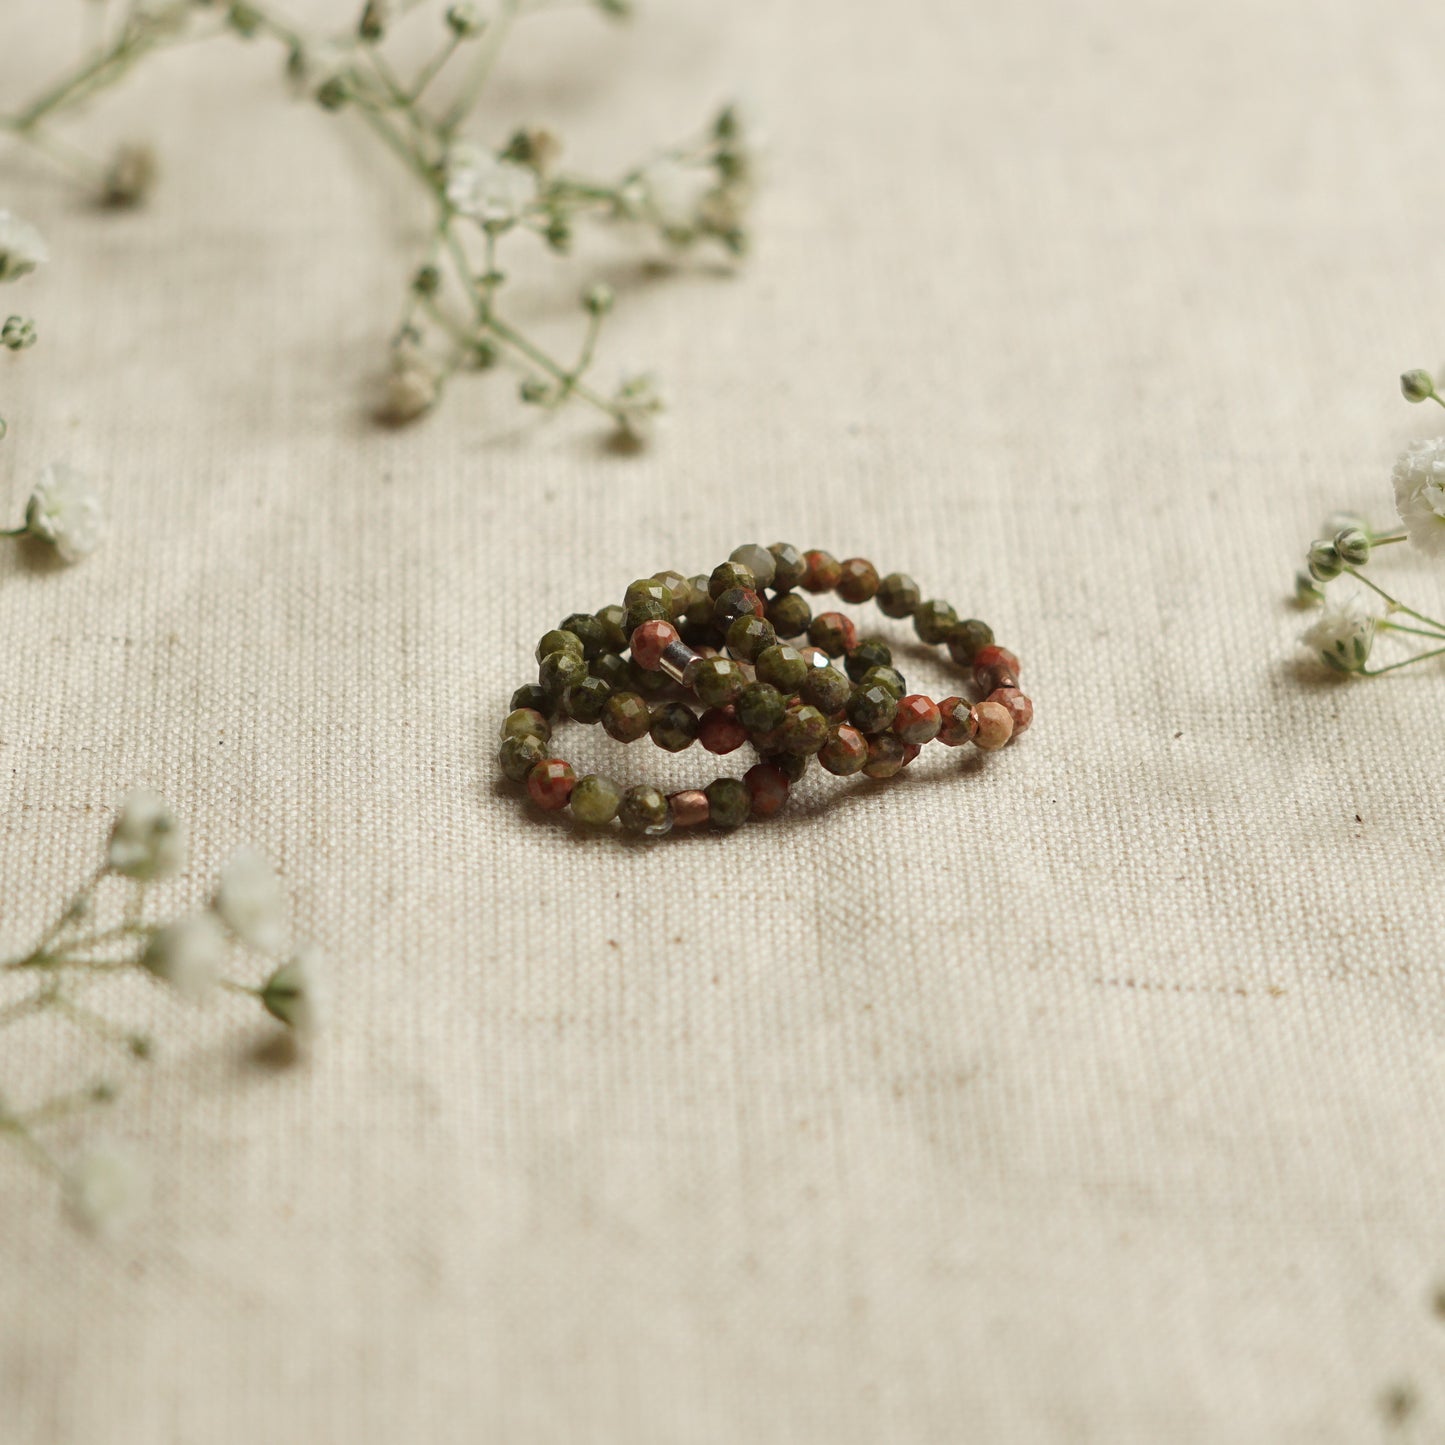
[637, 406]
[409, 392]
[1343, 636]
[130, 175]
[187, 955]
[1417, 385]
[1353, 546]
[296, 992]
[65, 512]
[106, 1187]
[22, 247]
[147, 841]
[1324, 561]
[250, 902]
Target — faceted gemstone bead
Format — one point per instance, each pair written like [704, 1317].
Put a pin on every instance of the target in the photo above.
[917, 719]
[518, 755]
[885, 755]
[827, 689]
[717, 681]
[989, 665]
[615, 639]
[647, 609]
[689, 808]
[834, 633]
[678, 587]
[559, 670]
[625, 717]
[767, 787]
[885, 677]
[789, 568]
[673, 727]
[524, 721]
[758, 560]
[789, 614]
[898, 595]
[558, 641]
[644, 811]
[823, 573]
[910, 751]
[595, 800]
[748, 635]
[805, 730]
[815, 657]
[858, 581]
[699, 612]
[550, 783]
[612, 668]
[532, 695]
[761, 707]
[954, 723]
[991, 725]
[783, 667]
[933, 621]
[845, 752]
[729, 802]
[871, 709]
[583, 701]
[965, 640]
[589, 631]
[1020, 708]
[727, 576]
[871, 652]
[650, 641]
[720, 731]
[734, 603]
[649, 684]
[791, 765]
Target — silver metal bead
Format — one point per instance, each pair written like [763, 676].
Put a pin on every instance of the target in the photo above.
[676, 657]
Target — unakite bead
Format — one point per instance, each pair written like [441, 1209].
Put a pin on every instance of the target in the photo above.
[589, 631]
[643, 680]
[871, 708]
[559, 641]
[583, 701]
[991, 725]
[673, 726]
[525, 722]
[933, 621]
[823, 572]
[559, 670]
[625, 717]
[748, 636]
[728, 575]
[885, 677]
[761, 707]
[595, 800]
[679, 588]
[834, 633]
[782, 666]
[650, 641]
[728, 801]
[954, 722]
[646, 608]
[789, 568]
[734, 603]
[611, 618]
[967, 639]
[886, 755]
[767, 787]
[550, 783]
[917, 720]
[612, 668]
[858, 580]
[757, 559]
[791, 765]
[789, 614]
[519, 754]
[871, 652]
[805, 730]
[845, 752]
[532, 695]
[719, 730]
[827, 689]
[643, 810]
[717, 681]
[898, 595]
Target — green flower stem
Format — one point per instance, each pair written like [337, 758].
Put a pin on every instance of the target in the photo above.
[35, 1003]
[19, 1134]
[1385, 623]
[1395, 603]
[1408, 662]
[95, 1023]
[62, 1106]
[433, 68]
[539, 358]
[488, 53]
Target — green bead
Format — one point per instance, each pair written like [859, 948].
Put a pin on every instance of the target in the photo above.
[842, 754]
[649, 589]
[790, 614]
[871, 652]
[524, 722]
[589, 631]
[782, 666]
[717, 681]
[748, 636]
[583, 701]
[727, 576]
[674, 726]
[534, 696]
[734, 603]
[898, 595]
[805, 730]
[612, 668]
[826, 689]
[595, 800]
[789, 568]
[625, 717]
[888, 678]
[559, 670]
[643, 680]
[965, 640]
[729, 802]
[886, 754]
[871, 709]
[791, 765]
[761, 707]
[647, 609]
[519, 755]
[933, 621]
[559, 641]
[643, 810]
[679, 588]
[611, 618]
[699, 614]
[757, 559]
[828, 631]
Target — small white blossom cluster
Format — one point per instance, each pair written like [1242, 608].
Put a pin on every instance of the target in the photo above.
[188, 954]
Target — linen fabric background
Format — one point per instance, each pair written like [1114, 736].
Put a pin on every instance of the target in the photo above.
[1091, 1094]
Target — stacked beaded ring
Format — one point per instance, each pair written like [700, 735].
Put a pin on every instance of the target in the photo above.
[738, 656]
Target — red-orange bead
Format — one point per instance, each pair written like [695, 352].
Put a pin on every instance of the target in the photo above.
[719, 730]
[1021, 709]
[910, 751]
[989, 662]
[823, 572]
[858, 580]
[953, 721]
[918, 719]
[845, 752]
[650, 641]
[834, 633]
[550, 783]
[767, 787]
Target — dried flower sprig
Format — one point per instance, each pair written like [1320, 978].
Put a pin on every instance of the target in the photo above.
[186, 954]
[481, 200]
[1344, 636]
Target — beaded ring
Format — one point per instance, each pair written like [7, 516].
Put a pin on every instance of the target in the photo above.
[721, 641]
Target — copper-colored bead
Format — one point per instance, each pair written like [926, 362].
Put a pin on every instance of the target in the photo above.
[689, 808]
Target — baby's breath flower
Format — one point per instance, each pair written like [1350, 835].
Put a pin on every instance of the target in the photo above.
[409, 392]
[537, 149]
[22, 247]
[1324, 561]
[491, 191]
[1353, 546]
[1417, 385]
[1420, 494]
[598, 299]
[251, 903]
[672, 193]
[187, 955]
[1343, 635]
[1307, 593]
[296, 992]
[638, 404]
[465, 20]
[107, 1187]
[17, 333]
[65, 512]
[130, 175]
[147, 840]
